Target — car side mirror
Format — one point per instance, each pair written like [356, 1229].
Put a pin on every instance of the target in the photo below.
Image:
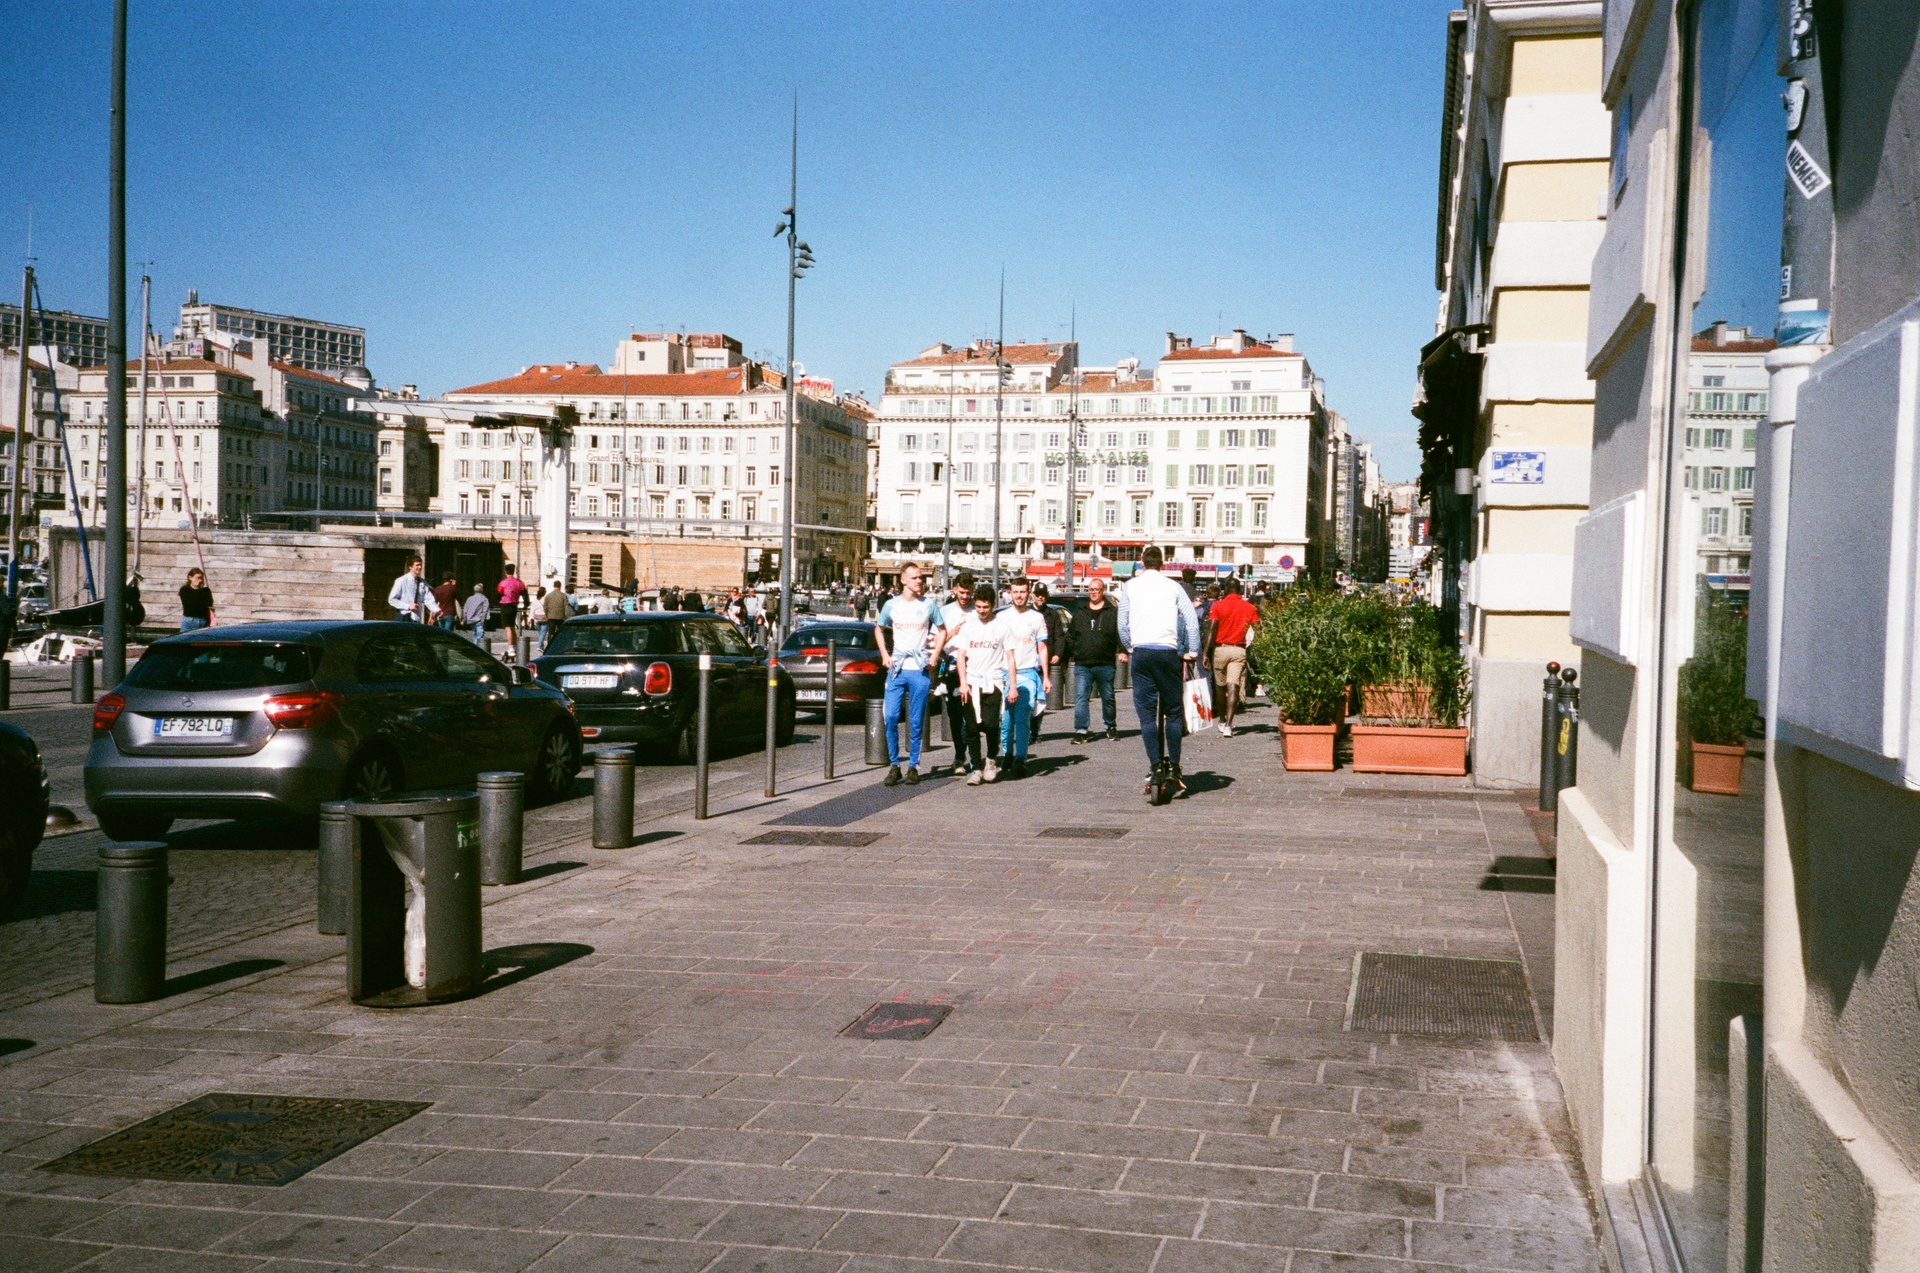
[760, 652]
[519, 675]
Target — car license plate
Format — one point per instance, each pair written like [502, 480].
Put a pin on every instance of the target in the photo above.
[810, 696]
[589, 681]
[211, 728]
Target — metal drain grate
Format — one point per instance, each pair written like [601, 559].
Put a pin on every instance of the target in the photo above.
[237, 1139]
[898, 1021]
[1438, 995]
[1081, 833]
[826, 839]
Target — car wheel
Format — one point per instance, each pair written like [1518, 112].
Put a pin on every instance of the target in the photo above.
[16, 868]
[372, 775]
[134, 826]
[685, 747]
[556, 764]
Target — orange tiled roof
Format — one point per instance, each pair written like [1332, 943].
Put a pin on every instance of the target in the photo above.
[302, 372]
[1251, 351]
[554, 380]
[973, 355]
[1706, 345]
[1104, 382]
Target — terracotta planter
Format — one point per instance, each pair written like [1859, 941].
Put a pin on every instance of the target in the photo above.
[1399, 749]
[1716, 769]
[1308, 748]
[1397, 702]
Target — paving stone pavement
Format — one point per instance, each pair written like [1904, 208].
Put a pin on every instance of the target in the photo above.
[1145, 1068]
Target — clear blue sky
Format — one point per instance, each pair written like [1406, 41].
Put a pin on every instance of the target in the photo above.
[486, 186]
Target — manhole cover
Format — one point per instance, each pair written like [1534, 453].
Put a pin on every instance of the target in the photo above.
[237, 1139]
[1082, 833]
[898, 1021]
[1437, 995]
[827, 839]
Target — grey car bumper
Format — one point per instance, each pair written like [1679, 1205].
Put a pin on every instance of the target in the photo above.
[294, 773]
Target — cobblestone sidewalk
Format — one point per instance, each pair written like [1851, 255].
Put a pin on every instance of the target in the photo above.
[1145, 1068]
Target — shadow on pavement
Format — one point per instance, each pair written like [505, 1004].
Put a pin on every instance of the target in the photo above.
[1041, 766]
[548, 868]
[508, 965]
[1206, 780]
[57, 893]
[9, 1046]
[218, 973]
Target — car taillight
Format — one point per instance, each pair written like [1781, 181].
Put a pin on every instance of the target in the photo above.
[861, 667]
[814, 651]
[302, 711]
[107, 711]
[659, 679]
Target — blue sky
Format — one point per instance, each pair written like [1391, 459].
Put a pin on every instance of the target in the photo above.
[486, 186]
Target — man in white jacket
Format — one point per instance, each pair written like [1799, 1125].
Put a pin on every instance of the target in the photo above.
[1161, 634]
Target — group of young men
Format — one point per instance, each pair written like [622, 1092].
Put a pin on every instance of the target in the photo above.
[995, 667]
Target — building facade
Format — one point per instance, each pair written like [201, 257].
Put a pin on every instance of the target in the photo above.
[1726, 409]
[43, 481]
[1357, 501]
[1218, 455]
[81, 340]
[1506, 403]
[306, 343]
[1408, 540]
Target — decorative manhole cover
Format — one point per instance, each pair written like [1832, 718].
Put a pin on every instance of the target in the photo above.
[237, 1139]
[1082, 833]
[898, 1021]
[825, 839]
[1438, 995]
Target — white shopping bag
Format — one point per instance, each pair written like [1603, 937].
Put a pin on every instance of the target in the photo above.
[1197, 697]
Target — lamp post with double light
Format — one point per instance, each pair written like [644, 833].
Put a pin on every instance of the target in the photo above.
[799, 261]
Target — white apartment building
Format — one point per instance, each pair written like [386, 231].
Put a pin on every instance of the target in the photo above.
[1407, 537]
[1217, 456]
[43, 483]
[1726, 405]
[307, 343]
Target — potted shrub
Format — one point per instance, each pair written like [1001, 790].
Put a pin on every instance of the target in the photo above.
[1304, 648]
[1387, 686]
[1416, 702]
[1714, 707]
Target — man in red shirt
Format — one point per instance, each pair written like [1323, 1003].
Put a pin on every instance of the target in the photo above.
[510, 590]
[1232, 618]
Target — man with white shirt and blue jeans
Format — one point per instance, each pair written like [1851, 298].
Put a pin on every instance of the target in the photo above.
[910, 633]
[1161, 633]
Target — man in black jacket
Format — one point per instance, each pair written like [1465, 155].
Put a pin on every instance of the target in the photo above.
[1093, 643]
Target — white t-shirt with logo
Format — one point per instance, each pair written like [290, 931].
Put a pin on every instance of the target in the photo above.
[910, 624]
[985, 645]
[1025, 631]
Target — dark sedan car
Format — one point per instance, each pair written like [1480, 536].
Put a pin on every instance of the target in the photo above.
[23, 813]
[265, 719]
[634, 678]
[860, 673]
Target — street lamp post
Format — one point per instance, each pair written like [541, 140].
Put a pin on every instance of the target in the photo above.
[113, 653]
[999, 417]
[799, 261]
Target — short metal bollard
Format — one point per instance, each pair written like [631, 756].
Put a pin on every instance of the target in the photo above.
[337, 832]
[1057, 688]
[82, 667]
[1566, 768]
[831, 715]
[613, 799]
[526, 649]
[701, 737]
[1123, 674]
[1549, 729]
[6, 685]
[876, 731]
[130, 928]
[503, 812]
[413, 933]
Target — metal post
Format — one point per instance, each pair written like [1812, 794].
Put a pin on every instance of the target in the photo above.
[337, 832]
[6, 686]
[833, 705]
[700, 736]
[1549, 723]
[1567, 745]
[999, 419]
[113, 630]
[526, 649]
[140, 482]
[130, 928]
[503, 809]
[613, 799]
[876, 753]
[21, 433]
[82, 668]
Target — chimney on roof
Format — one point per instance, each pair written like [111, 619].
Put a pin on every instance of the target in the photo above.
[1718, 332]
[1240, 340]
[1283, 342]
[571, 364]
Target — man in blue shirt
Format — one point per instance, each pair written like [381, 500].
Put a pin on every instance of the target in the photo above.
[910, 633]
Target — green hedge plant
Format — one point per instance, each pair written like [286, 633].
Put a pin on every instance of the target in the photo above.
[1305, 649]
[1713, 683]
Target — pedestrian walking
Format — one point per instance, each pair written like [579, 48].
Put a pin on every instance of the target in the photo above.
[1161, 635]
[1232, 619]
[510, 591]
[1056, 618]
[411, 598]
[984, 669]
[1031, 680]
[954, 612]
[553, 611]
[1093, 643]
[196, 602]
[910, 635]
[474, 614]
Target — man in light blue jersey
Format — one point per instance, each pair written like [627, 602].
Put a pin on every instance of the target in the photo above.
[910, 633]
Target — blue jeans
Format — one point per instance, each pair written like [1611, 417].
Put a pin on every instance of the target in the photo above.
[1016, 719]
[910, 685]
[444, 621]
[1156, 688]
[1084, 680]
[479, 633]
[191, 624]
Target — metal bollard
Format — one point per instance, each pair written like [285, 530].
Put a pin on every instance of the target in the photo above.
[613, 799]
[833, 704]
[6, 685]
[1057, 691]
[414, 930]
[1549, 727]
[130, 930]
[82, 668]
[700, 738]
[1123, 674]
[337, 832]
[876, 731]
[526, 649]
[503, 812]
[1566, 768]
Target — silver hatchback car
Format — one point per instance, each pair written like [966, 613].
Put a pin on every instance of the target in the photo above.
[261, 720]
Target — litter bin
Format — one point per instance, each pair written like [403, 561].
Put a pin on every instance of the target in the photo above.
[413, 932]
[876, 731]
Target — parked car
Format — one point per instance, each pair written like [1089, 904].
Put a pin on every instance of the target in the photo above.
[259, 720]
[635, 678]
[859, 673]
[23, 813]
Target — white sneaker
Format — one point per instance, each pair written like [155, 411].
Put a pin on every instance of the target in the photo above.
[1226, 730]
[993, 771]
[977, 777]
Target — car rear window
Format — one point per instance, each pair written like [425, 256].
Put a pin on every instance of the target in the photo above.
[616, 638]
[248, 665]
[855, 638]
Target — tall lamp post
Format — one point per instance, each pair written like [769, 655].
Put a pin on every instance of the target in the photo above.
[999, 418]
[799, 261]
[113, 654]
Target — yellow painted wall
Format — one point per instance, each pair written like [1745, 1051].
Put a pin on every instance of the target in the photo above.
[1569, 191]
[1526, 636]
[1541, 314]
[1543, 423]
[1528, 530]
[1554, 65]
